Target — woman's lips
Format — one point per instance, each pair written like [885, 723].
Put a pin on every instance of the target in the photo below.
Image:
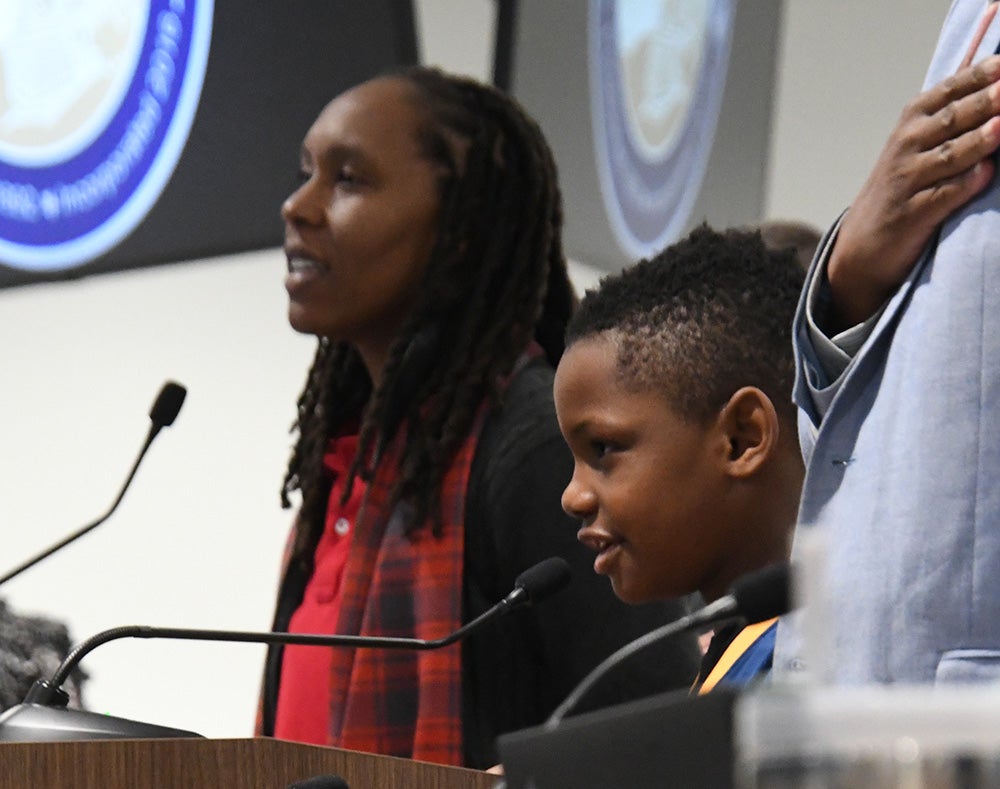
[301, 270]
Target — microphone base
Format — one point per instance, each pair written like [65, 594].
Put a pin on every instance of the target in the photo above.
[45, 694]
[37, 723]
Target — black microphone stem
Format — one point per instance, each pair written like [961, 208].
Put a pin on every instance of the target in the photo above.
[90, 526]
[664, 631]
[163, 413]
[302, 639]
[530, 587]
[755, 597]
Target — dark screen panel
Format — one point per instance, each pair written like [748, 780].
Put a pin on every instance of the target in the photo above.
[271, 68]
[587, 71]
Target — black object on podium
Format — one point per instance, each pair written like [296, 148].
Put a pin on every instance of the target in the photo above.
[671, 739]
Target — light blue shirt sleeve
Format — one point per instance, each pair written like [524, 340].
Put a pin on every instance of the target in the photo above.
[833, 353]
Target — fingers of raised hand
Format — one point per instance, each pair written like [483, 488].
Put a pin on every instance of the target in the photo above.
[954, 156]
[938, 139]
[964, 84]
[941, 198]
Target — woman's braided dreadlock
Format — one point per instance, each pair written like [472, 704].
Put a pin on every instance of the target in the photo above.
[497, 277]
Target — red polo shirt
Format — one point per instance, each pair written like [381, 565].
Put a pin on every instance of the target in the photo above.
[303, 711]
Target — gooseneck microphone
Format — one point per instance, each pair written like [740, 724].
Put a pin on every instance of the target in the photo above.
[755, 597]
[530, 587]
[163, 413]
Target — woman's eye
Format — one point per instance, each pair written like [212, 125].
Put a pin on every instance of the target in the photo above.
[346, 175]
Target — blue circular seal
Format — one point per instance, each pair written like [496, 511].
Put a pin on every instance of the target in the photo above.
[96, 104]
[657, 75]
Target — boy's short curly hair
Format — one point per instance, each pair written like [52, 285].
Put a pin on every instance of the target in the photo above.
[706, 316]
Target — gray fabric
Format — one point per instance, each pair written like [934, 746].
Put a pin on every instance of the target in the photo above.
[834, 353]
[902, 477]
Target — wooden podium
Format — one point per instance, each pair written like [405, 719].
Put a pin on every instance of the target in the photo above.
[257, 763]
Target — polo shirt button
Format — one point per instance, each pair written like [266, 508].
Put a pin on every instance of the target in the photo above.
[342, 526]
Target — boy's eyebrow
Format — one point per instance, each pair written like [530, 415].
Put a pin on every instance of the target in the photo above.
[576, 428]
[596, 421]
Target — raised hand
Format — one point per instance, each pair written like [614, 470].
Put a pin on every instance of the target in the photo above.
[935, 161]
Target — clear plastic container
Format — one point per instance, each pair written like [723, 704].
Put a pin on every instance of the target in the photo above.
[874, 737]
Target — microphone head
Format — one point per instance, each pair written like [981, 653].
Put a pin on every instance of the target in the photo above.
[543, 579]
[764, 594]
[321, 782]
[168, 404]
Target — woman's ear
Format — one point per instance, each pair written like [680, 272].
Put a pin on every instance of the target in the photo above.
[750, 425]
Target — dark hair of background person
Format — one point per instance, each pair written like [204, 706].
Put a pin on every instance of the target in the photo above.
[800, 237]
[496, 278]
[703, 318]
[31, 648]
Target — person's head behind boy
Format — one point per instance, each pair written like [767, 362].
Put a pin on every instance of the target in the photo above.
[674, 395]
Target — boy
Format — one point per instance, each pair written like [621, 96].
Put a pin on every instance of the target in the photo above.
[674, 395]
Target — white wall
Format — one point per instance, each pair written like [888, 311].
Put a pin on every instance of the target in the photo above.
[845, 70]
[197, 540]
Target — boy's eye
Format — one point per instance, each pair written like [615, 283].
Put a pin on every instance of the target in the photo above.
[601, 448]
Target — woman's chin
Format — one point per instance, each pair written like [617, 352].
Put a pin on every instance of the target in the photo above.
[302, 321]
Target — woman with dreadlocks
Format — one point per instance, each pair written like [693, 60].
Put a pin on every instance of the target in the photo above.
[424, 252]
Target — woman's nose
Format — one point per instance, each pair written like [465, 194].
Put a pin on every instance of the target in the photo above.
[301, 205]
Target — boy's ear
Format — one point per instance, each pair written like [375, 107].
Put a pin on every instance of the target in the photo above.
[750, 425]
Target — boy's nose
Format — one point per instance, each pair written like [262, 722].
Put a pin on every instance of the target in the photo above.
[577, 499]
